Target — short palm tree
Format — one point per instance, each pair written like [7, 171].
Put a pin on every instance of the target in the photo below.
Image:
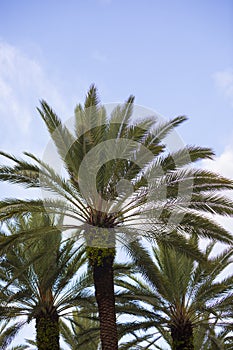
[184, 300]
[139, 189]
[37, 279]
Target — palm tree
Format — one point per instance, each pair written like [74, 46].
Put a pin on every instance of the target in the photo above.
[37, 279]
[159, 196]
[184, 300]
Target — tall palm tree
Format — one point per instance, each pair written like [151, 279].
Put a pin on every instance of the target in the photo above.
[185, 300]
[139, 189]
[37, 277]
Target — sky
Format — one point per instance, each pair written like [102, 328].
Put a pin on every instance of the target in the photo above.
[176, 57]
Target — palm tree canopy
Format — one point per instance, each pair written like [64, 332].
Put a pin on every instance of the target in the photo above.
[139, 187]
[40, 275]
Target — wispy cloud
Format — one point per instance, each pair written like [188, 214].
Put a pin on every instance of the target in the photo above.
[224, 82]
[14, 75]
[23, 82]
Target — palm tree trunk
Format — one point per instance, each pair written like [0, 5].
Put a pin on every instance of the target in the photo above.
[102, 263]
[182, 337]
[47, 331]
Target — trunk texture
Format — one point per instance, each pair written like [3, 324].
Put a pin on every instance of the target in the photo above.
[104, 292]
[182, 336]
[47, 331]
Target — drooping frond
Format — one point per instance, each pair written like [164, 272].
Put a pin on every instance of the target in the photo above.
[185, 156]
[8, 333]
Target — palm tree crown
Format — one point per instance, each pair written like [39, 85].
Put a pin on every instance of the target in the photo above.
[37, 278]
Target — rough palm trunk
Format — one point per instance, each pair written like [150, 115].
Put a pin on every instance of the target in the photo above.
[47, 331]
[182, 336]
[102, 263]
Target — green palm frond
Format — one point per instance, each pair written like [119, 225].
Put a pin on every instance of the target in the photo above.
[82, 331]
[58, 132]
[8, 333]
[164, 128]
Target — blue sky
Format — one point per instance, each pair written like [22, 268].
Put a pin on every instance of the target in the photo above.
[176, 57]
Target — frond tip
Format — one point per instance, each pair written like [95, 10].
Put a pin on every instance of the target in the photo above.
[92, 97]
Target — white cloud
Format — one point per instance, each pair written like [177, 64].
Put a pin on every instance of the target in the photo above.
[224, 82]
[23, 82]
[222, 164]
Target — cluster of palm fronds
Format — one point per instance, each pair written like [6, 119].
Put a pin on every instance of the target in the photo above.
[121, 184]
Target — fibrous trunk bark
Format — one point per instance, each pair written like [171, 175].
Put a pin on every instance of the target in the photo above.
[47, 331]
[182, 336]
[104, 292]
